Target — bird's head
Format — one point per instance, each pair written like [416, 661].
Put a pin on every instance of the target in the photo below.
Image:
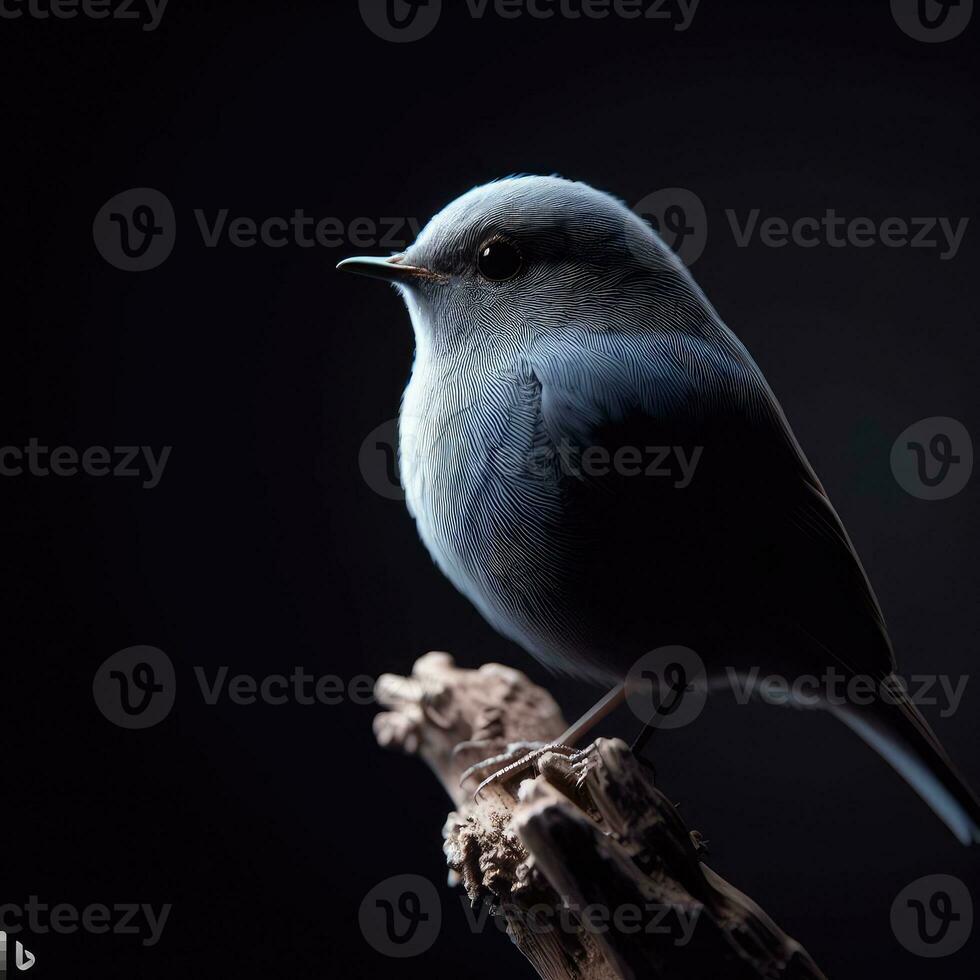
[526, 254]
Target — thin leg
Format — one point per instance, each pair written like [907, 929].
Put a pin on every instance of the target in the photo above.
[642, 740]
[565, 744]
[606, 706]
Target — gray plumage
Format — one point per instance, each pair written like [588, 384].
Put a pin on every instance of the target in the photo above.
[602, 339]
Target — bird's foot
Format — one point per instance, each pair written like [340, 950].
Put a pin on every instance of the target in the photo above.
[492, 764]
[515, 760]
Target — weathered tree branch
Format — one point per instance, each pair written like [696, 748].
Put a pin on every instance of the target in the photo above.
[592, 868]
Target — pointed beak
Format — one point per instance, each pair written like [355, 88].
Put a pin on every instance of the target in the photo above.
[391, 269]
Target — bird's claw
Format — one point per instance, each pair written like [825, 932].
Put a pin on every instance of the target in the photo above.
[526, 761]
[491, 764]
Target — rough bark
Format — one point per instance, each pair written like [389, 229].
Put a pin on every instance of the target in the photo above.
[589, 863]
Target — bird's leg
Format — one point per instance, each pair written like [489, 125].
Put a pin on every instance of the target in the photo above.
[640, 743]
[602, 708]
[525, 762]
[563, 746]
[496, 763]
[641, 740]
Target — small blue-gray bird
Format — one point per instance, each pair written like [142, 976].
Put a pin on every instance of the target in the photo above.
[559, 342]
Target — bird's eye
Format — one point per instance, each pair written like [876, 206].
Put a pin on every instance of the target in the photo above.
[498, 260]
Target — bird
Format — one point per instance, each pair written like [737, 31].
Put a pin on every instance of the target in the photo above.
[554, 327]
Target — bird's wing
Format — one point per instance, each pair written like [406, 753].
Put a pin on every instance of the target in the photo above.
[781, 549]
[755, 508]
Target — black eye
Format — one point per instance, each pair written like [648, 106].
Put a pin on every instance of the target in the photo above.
[499, 260]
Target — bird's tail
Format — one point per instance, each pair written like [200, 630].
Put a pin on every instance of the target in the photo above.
[896, 730]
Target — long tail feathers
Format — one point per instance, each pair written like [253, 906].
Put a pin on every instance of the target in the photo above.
[896, 730]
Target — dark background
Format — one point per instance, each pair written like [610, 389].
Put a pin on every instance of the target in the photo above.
[264, 547]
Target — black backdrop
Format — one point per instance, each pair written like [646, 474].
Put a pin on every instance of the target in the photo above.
[264, 547]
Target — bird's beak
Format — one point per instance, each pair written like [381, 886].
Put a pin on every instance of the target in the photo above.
[391, 269]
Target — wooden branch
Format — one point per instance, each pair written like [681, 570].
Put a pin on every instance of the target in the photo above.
[588, 862]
